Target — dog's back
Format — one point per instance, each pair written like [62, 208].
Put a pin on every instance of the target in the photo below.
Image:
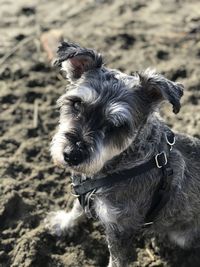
[185, 202]
[189, 146]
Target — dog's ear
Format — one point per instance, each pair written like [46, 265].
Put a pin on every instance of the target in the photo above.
[158, 88]
[76, 60]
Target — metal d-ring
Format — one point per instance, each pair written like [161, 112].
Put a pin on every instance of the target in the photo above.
[87, 207]
[72, 189]
[168, 141]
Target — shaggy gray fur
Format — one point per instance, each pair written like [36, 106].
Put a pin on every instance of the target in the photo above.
[111, 123]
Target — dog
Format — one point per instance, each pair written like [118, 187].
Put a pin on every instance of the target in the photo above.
[110, 127]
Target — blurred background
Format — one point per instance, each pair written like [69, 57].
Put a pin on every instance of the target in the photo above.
[132, 35]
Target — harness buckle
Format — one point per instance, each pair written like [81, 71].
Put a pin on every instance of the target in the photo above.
[72, 190]
[161, 159]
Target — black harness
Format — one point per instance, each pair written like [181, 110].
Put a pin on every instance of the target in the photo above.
[86, 189]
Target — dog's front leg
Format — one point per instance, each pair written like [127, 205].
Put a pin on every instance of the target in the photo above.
[61, 222]
[121, 248]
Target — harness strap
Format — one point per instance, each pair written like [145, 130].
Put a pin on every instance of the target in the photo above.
[114, 178]
[160, 196]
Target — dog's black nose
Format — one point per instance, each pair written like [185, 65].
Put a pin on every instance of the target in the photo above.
[75, 156]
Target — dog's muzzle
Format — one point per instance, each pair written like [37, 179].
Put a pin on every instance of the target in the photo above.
[76, 156]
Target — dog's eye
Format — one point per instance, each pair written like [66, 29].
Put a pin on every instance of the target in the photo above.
[77, 105]
[115, 128]
[112, 128]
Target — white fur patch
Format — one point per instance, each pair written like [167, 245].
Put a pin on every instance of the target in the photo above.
[57, 147]
[106, 213]
[61, 222]
[102, 155]
[118, 112]
[58, 143]
[129, 81]
[67, 67]
[88, 95]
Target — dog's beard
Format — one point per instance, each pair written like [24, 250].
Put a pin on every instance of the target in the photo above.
[99, 154]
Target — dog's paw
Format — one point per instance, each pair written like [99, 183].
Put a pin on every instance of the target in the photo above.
[59, 223]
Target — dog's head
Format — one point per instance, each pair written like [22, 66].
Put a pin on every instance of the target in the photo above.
[102, 110]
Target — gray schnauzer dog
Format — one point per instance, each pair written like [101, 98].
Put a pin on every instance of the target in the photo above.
[111, 138]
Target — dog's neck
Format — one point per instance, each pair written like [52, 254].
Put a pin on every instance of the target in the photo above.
[147, 143]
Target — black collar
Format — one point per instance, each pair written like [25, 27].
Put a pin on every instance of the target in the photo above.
[85, 189]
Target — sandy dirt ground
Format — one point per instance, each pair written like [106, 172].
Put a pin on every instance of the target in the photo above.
[132, 35]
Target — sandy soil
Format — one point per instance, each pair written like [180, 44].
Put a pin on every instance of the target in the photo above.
[132, 35]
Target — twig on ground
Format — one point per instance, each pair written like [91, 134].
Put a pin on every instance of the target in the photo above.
[35, 114]
[150, 254]
[14, 49]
